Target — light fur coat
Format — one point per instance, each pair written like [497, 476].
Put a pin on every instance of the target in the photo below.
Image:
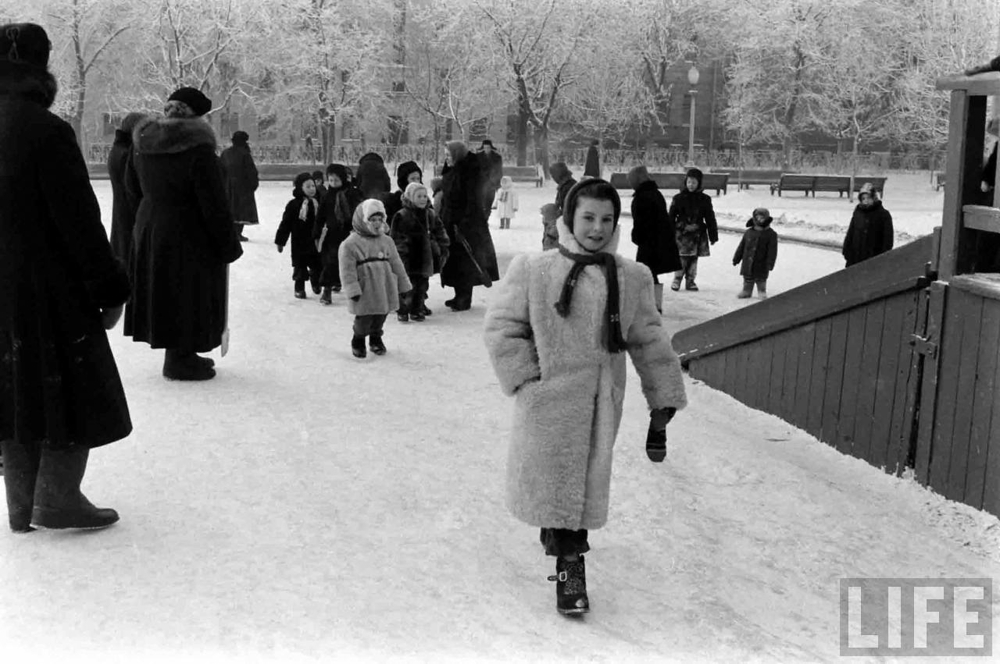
[370, 267]
[568, 388]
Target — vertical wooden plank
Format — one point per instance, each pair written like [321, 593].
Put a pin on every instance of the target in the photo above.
[729, 372]
[944, 423]
[984, 405]
[716, 368]
[790, 387]
[834, 378]
[803, 381]
[740, 372]
[929, 377]
[818, 377]
[991, 476]
[903, 432]
[886, 389]
[868, 379]
[759, 374]
[965, 148]
[772, 389]
[972, 316]
[856, 319]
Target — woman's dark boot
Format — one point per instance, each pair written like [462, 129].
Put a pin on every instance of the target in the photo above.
[21, 470]
[183, 365]
[59, 503]
[571, 587]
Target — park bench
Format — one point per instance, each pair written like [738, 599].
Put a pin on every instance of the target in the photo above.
[750, 176]
[813, 183]
[675, 181]
[515, 173]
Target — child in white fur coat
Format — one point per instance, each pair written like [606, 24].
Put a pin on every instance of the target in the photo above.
[556, 334]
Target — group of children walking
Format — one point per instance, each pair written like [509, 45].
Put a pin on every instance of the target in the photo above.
[342, 241]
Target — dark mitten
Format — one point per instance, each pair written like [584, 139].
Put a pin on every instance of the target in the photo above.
[281, 248]
[356, 298]
[656, 436]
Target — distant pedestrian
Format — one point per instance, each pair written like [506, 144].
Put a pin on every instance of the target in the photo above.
[491, 170]
[506, 201]
[406, 172]
[372, 178]
[693, 219]
[423, 246]
[756, 253]
[592, 167]
[870, 232]
[241, 179]
[297, 222]
[329, 231]
[564, 182]
[550, 231]
[320, 181]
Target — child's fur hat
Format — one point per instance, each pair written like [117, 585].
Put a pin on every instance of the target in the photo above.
[25, 43]
[550, 211]
[403, 172]
[696, 174]
[592, 188]
[411, 191]
[297, 183]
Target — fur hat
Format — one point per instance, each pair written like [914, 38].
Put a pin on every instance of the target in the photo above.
[404, 171]
[549, 211]
[411, 191]
[195, 100]
[637, 176]
[240, 136]
[486, 142]
[560, 171]
[457, 150]
[761, 211]
[130, 121]
[696, 174]
[25, 43]
[317, 175]
[300, 180]
[868, 189]
[592, 188]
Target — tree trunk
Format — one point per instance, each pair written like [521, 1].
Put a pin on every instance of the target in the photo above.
[542, 143]
[521, 143]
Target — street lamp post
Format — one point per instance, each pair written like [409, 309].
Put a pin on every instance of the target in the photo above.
[693, 80]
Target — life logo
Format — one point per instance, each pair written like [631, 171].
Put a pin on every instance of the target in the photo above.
[916, 617]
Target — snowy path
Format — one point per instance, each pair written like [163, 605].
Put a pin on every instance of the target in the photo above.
[307, 506]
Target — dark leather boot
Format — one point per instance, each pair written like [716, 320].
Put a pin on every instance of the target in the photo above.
[358, 346]
[59, 503]
[571, 587]
[376, 344]
[181, 365]
[20, 472]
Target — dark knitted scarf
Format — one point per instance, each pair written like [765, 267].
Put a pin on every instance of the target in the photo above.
[613, 339]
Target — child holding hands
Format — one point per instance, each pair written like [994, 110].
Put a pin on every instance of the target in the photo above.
[556, 334]
[372, 276]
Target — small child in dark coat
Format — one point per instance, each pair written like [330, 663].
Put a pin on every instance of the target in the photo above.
[550, 234]
[297, 222]
[758, 250]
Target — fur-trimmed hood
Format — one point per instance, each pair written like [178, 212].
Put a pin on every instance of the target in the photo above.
[27, 82]
[172, 135]
[567, 239]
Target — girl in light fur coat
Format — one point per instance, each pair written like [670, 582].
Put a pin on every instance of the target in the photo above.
[556, 335]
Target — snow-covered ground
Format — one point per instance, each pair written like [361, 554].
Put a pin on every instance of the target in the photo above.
[308, 506]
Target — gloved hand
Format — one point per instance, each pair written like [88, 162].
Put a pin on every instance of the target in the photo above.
[656, 436]
[280, 248]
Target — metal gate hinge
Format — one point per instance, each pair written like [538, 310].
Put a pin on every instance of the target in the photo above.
[923, 346]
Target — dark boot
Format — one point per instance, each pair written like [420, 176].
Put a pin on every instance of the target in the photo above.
[571, 587]
[358, 347]
[59, 503]
[300, 289]
[425, 311]
[181, 365]
[21, 470]
[376, 344]
[675, 285]
[762, 289]
[326, 297]
[747, 290]
[462, 301]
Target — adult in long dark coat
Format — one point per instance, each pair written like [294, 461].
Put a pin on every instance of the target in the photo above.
[870, 231]
[60, 289]
[122, 209]
[463, 218]
[491, 166]
[564, 180]
[241, 180]
[184, 238]
[592, 167]
[652, 232]
[372, 178]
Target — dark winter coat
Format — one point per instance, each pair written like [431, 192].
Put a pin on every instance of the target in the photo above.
[394, 202]
[419, 236]
[372, 178]
[184, 236]
[241, 180]
[592, 167]
[491, 167]
[693, 219]
[564, 180]
[869, 234]
[462, 214]
[304, 252]
[122, 208]
[652, 232]
[328, 233]
[58, 379]
[758, 250]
